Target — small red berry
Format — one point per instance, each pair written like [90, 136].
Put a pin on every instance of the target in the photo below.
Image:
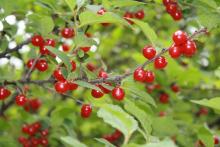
[118, 93]
[203, 111]
[50, 42]
[96, 93]
[117, 134]
[175, 51]
[4, 93]
[175, 88]
[139, 14]
[44, 50]
[61, 86]
[65, 47]
[31, 130]
[105, 90]
[139, 74]
[171, 8]
[72, 86]
[162, 113]
[216, 140]
[30, 63]
[67, 32]
[42, 65]
[57, 74]
[21, 100]
[35, 104]
[44, 141]
[149, 52]
[109, 138]
[177, 15]
[127, 17]
[101, 11]
[37, 40]
[44, 132]
[164, 98]
[36, 125]
[85, 49]
[166, 2]
[189, 49]
[160, 62]
[73, 63]
[22, 139]
[34, 141]
[25, 128]
[149, 76]
[86, 110]
[102, 74]
[91, 67]
[180, 37]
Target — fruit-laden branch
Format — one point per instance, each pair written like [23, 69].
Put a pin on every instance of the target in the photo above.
[15, 49]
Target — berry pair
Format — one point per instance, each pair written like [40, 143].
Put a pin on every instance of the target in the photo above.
[143, 76]
[139, 15]
[63, 86]
[41, 64]
[173, 9]
[113, 137]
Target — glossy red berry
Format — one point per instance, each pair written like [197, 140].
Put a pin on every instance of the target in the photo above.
[42, 65]
[25, 128]
[149, 52]
[35, 104]
[37, 40]
[44, 141]
[91, 67]
[21, 100]
[22, 139]
[180, 37]
[34, 141]
[164, 98]
[65, 47]
[72, 86]
[85, 49]
[139, 74]
[4, 93]
[160, 62]
[30, 63]
[116, 135]
[149, 76]
[102, 74]
[61, 86]
[216, 140]
[166, 2]
[73, 63]
[101, 11]
[37, 126]
[189, 49]
[86, 110]
[105, 90]
[175, 88]
[44, 132]
[44, 50]
[139, 14]
[109, 138]
[177, 15]
[175, 51]
[67, 33]
[50, 42]
[31, 130]
[118, 93]
[171, 8]
[96, 93]
[127, 17]
[57, 74]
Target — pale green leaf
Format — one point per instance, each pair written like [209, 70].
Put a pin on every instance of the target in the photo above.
[213, 103]
[125, 3]
[71, 4]
[164, 143]
[103, 141]
[72, 141]
[206, 136]
[87, 85]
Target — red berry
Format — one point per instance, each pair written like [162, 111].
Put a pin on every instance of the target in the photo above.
[162, 113]
[44, 132]
[109, 138]
[65, 47]
[34, 141]
[4, 93]
[37, 40]
[21, 100]
[72, 86]
[102, 74]
[177, 15]
[166, 2]
[216, 140]
[189, 49]
[139, 14]
[149, 76]
[171, 8]
[67, 33]
[85, 49]
[149, 52]
[101, 11]
[36, 125]
[164, 98]
[30, 63]
[96, 93]
[50, 42]
[175, 88]
[35, 104]
[118, 93]
[180, 37]
[31, 130]
[25, 128]
[57, 74]
[127, 17]
[91, 67]
[117, 134]
[44, 50]
[160, 62]
[22, 139]
[86, 110]
[139, 74]
[203, 111]
[105, 90]
[73, 63]
[61, 86]
[44, 141]
[175, 51]
[42, 65]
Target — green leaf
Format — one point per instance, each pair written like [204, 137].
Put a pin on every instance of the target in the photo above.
[108, 17]
[71, 4]
[82, 41]
[107, 144]
[125, 3]
[164, 143]
[118, 118]
[80, 53]
[62, 56]
[38, 23]
[148, 31]
[87, 85]
[141, 116]
[72, 141]
[213, 103]
[206, 136]
[64, 72]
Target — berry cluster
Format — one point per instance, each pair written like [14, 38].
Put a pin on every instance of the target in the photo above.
[29, 105]
[138, 15]
[173, 9]
[37, 136]
[182, 45]
[41, 64]
[113, 137]
[4, 93]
